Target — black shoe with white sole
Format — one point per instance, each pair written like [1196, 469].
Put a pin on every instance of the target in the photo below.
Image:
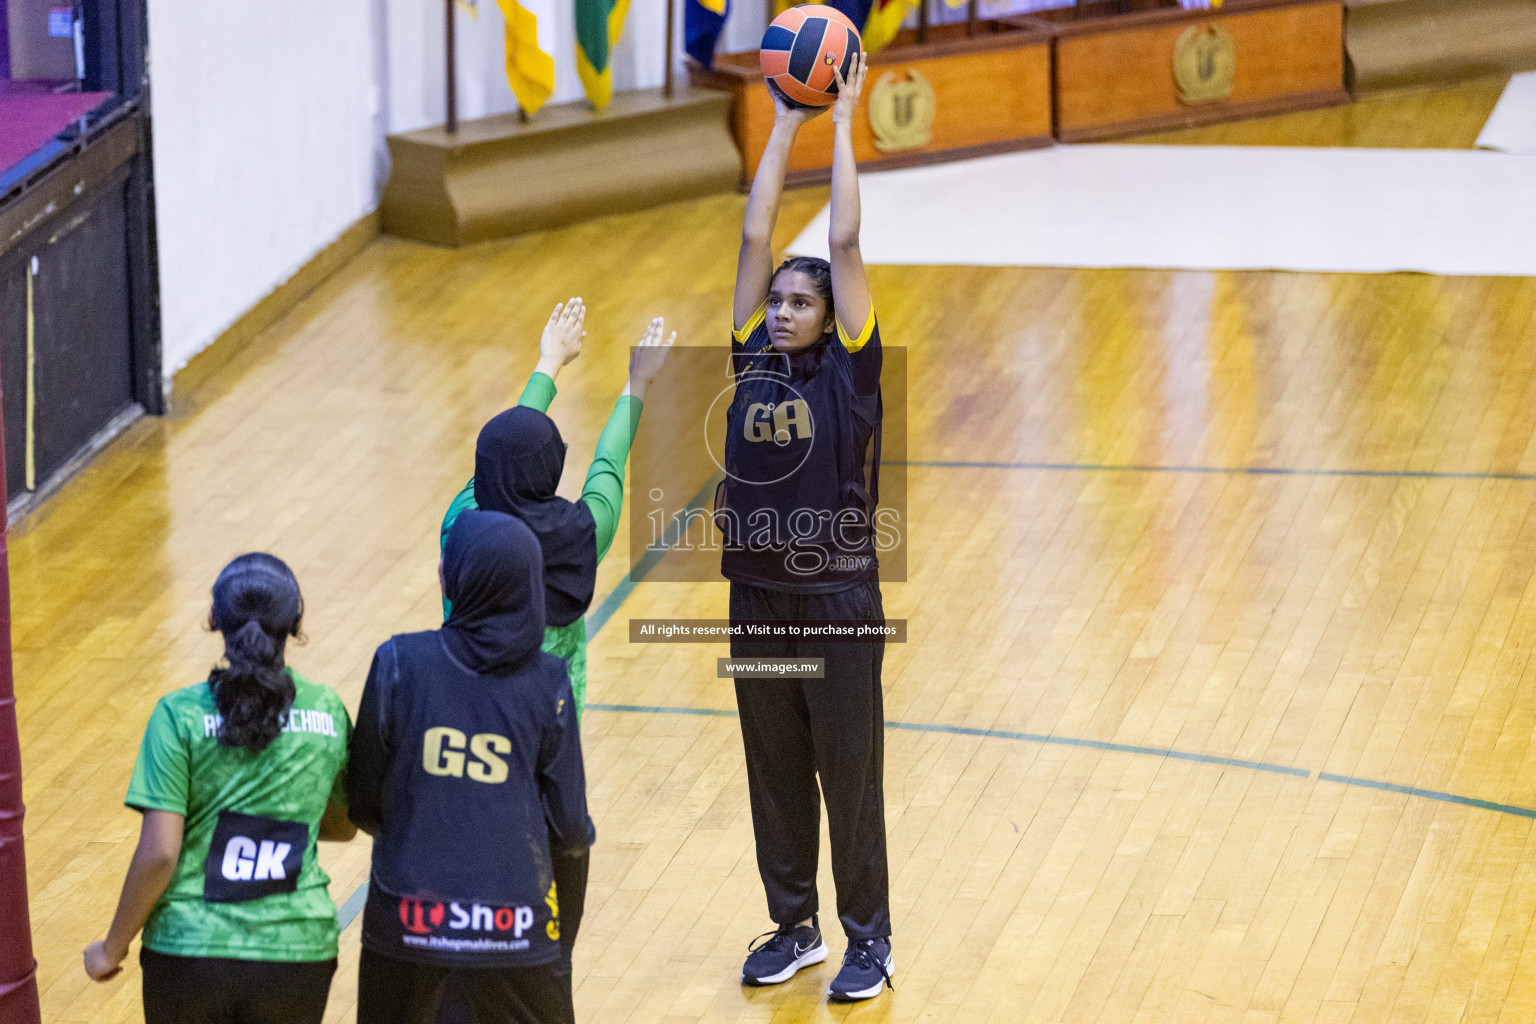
[786, 951]
[867, 968]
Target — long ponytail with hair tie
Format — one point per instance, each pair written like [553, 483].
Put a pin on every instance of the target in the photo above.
[257, 606]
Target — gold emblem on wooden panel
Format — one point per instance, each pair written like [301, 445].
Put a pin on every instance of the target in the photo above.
[901, 112]
[1204, 64]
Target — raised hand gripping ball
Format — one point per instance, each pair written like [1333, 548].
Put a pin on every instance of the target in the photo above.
[802, 47]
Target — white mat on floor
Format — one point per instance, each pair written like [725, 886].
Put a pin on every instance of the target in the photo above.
[1511, 128]
[1206, 208]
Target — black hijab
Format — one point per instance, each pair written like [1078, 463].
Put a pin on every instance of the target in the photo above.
[492, 572]
[518, 459]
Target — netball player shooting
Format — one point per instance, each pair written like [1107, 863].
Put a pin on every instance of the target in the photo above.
[236, 778]
[803, 441]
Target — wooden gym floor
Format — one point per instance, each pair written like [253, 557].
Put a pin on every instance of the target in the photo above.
[1217, 705]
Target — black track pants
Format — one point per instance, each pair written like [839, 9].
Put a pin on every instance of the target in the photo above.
[795, 730]
[393, 991]
[216, 990]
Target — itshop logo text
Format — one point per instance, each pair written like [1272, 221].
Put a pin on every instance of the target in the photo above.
[424, 918]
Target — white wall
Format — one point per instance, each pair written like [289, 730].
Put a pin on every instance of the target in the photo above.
[265, 149]
[270, 117]
[269, 124]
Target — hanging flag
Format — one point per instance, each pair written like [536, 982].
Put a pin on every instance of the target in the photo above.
[702, 22]
[598, 23]
[530, 58]
[878, 20]
[884, 21]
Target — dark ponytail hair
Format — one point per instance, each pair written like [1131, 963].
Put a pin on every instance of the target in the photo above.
[257, 606]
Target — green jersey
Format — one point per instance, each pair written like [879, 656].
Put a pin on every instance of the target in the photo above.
[248, 884]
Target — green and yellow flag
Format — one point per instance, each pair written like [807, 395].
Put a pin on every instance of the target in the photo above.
[598, 24]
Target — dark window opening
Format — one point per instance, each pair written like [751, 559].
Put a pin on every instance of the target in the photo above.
[68, 69]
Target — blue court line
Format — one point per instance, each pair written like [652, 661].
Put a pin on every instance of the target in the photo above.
[616, 597]
[1119, 748]
[598, 619]
[611, 603]
[1428, 794]
[999, 734]
[657, 709]
[1126, 748]
[354, 906]
[1095, 467]
[653, 555]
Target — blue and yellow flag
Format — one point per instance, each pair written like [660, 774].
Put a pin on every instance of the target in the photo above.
[702, 22]
[598, 24]
[878, 20]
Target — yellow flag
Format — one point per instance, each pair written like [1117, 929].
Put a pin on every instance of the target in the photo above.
[530, 51]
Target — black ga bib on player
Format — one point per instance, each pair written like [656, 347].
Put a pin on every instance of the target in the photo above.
[802, 454]
[250, 857]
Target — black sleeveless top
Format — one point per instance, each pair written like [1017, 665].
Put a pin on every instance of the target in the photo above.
[802, 460]
[467, 781]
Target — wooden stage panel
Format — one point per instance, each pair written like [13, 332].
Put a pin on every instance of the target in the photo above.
[1131, 660]
[993, 94]
[1118, 81]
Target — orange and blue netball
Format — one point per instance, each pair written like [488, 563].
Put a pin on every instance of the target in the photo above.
[804, 50]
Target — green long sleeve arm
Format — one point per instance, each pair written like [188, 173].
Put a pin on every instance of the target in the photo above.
[604, 489]
[538, 392]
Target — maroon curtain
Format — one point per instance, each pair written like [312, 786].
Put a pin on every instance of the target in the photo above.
[18, 970]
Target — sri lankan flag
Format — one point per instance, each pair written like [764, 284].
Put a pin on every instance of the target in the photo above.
[702, 22]
[598, 23]
[530, 39]
[878, 20]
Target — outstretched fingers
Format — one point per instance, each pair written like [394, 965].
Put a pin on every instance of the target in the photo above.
[855, 78]
[849, 87]
[574, 314]
[652, 333]
[563, 334]
[645, 361]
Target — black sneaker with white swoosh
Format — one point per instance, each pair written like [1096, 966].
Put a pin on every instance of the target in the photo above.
[785, 952]
[867, 968]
